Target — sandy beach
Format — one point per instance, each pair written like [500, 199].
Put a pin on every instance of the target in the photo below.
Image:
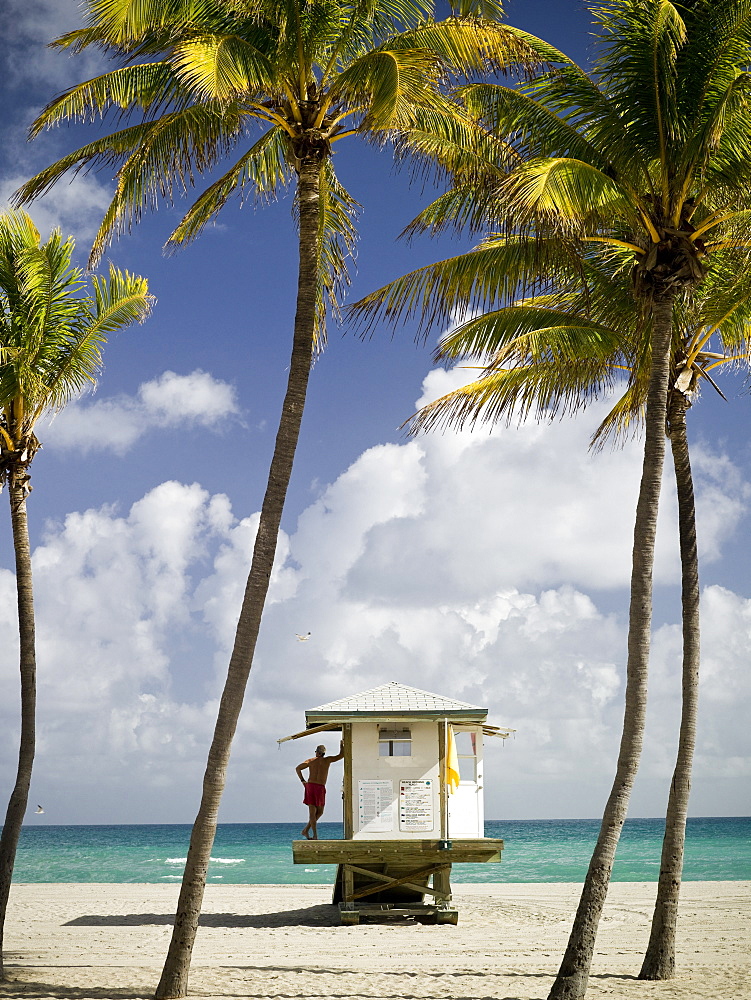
[79, 941]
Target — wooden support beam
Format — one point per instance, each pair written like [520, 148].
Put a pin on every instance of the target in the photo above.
[442, 791]
[348, 803]
[442, 881]
[404, 881]
[348, 883]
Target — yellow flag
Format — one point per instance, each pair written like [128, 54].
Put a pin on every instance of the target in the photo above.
[452, 762]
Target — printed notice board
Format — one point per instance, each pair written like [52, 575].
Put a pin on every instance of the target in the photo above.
[375, 801]
[416, 805]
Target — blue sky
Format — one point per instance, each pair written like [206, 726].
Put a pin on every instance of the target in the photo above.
[488, 567]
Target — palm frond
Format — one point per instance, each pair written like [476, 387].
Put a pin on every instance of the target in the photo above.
[512, 394]
[531, 333]
[390, 84]
[119, 300]
[264, 168]
[640, 44]
[205, 133]
[337, 235]
[719, 37]
[221, 67]
[470, 45]
[123, 21]
[625, 419]
[47, 285]
[574, 97]
[166, 155]
[145, 87]
[536, 128]
[725, 131]
[493, 273]
[445, 142]
[459, 209]
[489, 10]
[51, 330]
[565, 191]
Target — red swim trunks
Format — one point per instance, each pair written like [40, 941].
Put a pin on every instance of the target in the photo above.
[315, 795]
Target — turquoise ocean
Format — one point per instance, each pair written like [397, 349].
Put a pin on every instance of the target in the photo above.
[717, 849]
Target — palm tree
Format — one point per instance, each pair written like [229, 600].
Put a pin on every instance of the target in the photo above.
[725, 310]
[558, 352]
[285, 80]
[51, 337]
[550, 354]
[649, 155]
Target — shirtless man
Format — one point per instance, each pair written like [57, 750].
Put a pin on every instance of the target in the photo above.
[315, 787]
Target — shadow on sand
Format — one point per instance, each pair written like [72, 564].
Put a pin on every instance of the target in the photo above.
[322, 915]
[23, 988]
[27, 989]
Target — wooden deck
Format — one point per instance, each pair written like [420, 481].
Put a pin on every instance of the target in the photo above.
[354, 852]
[381, 879]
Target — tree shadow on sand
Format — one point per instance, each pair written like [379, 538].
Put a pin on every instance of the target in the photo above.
[30, 989]
[27, 989]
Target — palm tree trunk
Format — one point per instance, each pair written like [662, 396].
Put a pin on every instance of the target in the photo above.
[659, 959]
[573, 975]
[174, 980]
[17, 491]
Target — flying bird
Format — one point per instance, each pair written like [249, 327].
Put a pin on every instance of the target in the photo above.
[39, 810]
[303, 638]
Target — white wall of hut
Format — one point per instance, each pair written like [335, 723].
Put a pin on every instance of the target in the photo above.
[396, 775]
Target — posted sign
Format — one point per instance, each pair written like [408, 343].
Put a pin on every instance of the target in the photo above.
[375, 805]
[416, 805]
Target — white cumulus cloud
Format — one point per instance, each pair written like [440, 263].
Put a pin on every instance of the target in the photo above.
[170, 400]
[30, 27]
[473, 566]
[76, 205]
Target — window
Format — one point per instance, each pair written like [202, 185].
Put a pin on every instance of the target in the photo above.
[466, 752]
[394, 743]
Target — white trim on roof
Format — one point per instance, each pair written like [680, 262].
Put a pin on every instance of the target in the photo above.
[395, 697]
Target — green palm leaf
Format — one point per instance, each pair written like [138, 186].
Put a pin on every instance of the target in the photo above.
[391, 84]
[494, 271]
[51, 331]
[263, 168]
[511, 394]
[639, 70]
[446, 143]
[222, 67]
[337, 235]
[470, 46]
[531, 333]
[563, 190]
[535, 126]
[133, 88]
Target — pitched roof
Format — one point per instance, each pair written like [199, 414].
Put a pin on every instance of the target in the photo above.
[395, 698]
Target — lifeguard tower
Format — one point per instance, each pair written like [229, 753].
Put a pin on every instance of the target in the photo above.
[412, 801]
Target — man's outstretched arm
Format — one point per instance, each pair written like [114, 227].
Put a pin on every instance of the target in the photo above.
[339, 755]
